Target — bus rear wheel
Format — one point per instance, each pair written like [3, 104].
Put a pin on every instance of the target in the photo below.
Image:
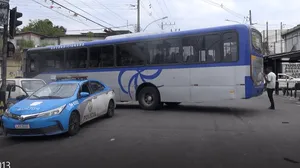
[149, 98]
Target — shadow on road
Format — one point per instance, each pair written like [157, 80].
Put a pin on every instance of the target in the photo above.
[200, 109]
[54, 137]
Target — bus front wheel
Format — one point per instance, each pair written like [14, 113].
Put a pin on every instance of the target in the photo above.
[149, 98]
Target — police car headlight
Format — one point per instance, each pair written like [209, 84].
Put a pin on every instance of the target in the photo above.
[7, 113]
[52, 112]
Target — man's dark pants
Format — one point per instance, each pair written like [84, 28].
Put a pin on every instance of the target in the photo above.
[270, 95]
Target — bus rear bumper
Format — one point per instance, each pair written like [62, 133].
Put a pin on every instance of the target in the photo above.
[251, 90]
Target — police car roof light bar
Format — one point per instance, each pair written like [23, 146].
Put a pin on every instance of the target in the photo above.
[71, 77]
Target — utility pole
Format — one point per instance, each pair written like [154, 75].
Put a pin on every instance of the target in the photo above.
[281, 47]
[250, 17]
[4, 5]
[166, 24]
[267, 36]
[138, 16]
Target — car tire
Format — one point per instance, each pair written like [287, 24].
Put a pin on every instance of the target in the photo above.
[149, 98]
[110, 109]
[74, 123]
[172, 104]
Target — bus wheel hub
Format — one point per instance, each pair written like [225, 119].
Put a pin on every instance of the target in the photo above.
[148, 98]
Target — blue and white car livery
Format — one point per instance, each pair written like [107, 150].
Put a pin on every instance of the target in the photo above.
[59, 107]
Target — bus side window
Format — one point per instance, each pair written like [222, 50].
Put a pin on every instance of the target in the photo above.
[155, 52]
[101, 56]
[230, 47]
[192, 49]
[131, 54]
[172, 52]
[52, 60]
[212, 46]
[76, 58]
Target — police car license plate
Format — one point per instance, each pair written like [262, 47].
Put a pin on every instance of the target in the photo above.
[22, 126]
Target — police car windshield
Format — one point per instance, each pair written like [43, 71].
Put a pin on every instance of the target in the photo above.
[32, 85]
[55, 91]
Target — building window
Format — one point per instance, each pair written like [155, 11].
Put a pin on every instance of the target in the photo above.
[101, 57]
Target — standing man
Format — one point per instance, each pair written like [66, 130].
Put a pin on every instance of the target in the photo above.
[270, 78]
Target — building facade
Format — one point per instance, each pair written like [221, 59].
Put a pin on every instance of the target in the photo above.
[276, 42]
[292, 38]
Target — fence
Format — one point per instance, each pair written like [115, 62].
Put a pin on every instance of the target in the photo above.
[291, 91]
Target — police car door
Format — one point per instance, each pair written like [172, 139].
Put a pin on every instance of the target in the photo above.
[87, 104]
[101, 97]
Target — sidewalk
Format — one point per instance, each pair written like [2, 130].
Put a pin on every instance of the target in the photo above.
[290, 98]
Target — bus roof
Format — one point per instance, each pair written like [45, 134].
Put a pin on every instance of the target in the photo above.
[139, 37]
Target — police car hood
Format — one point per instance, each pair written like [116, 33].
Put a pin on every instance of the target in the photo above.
[28, 106]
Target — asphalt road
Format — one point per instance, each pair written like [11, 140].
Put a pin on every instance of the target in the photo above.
[231, 134]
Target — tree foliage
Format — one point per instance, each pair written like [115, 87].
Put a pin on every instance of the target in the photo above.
[44, 44]
[44, 27]
[26, 44]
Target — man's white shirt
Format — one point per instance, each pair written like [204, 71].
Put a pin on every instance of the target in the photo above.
[272, 78]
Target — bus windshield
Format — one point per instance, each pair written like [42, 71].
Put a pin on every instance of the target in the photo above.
[257, 41]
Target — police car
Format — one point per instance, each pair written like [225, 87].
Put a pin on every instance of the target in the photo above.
[59, 107]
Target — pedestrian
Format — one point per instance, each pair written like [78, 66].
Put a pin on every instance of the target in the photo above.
[270, 79]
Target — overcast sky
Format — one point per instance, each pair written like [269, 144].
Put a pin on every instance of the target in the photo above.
[187, 14]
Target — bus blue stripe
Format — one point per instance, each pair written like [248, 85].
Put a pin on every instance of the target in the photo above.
[147, 68]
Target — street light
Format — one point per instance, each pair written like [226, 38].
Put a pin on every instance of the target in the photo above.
[155, 21]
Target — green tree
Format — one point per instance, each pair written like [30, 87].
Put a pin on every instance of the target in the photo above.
[44, 44]
[44, 27]
[90, 35]
[26, 44]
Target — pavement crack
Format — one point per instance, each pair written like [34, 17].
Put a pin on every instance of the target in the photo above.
[248, 124]
[216, 127]
[290, 160]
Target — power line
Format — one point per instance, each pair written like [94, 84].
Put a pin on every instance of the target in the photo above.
[78, 14]
[142, 4]
[111, 11]
[87, 12]
[167, 7]
[102, 28]
[160, 6]
[60, 13]
[225, 8]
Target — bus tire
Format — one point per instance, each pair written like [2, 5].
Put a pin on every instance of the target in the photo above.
[149, 98]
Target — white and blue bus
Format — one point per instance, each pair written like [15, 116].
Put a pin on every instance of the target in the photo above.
[209, 64]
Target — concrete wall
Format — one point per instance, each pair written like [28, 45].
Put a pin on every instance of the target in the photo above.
[35, 38]
[13, 68]
[292, 40]
[274, 41]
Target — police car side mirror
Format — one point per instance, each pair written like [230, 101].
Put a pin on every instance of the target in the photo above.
[84, 94]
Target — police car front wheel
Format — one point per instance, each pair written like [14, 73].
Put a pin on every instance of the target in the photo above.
[111, 109]
[74, 123]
